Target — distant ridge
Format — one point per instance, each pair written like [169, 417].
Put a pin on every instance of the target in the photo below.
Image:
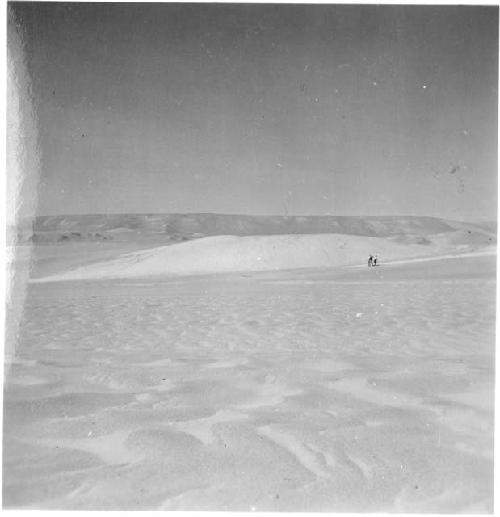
[179, 227]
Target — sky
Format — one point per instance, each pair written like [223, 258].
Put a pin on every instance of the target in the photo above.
[263, 109]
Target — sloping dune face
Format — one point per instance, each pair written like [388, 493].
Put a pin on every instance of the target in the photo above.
[255, 253]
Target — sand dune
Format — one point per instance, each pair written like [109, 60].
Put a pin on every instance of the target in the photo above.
[256, 253]
[298, 380]
[339, 389]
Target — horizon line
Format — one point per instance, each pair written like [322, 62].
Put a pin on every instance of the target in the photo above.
[360, 216]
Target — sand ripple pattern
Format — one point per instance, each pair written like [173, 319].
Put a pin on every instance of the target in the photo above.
[255, 393]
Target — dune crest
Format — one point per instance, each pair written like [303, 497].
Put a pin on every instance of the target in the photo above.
[253, 253]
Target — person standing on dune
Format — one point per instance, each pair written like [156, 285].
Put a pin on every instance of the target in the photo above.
[370, 261]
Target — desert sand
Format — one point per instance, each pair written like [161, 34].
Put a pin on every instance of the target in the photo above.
[229, 253]
[197, 377]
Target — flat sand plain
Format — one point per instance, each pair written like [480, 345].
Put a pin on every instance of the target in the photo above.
[347, 389]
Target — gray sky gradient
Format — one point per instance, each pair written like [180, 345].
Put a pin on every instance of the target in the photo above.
[262, 109]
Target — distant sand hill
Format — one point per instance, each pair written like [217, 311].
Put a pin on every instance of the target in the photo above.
[349, 241]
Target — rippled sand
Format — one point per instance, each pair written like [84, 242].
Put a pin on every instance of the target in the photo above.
[331, 390]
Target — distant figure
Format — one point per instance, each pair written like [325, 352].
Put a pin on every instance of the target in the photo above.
[375, 260]
[370, 261]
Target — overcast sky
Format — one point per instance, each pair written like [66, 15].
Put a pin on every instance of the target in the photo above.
[261, 109]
